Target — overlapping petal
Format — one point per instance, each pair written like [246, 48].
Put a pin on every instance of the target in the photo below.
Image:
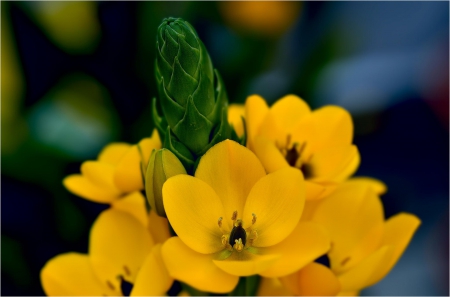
[231, 170]
[236, 113]
[277, 200]
[256, 110]
[193, 209]
[133, 204]
[71, 274]
[83, 187]
[118, 245]
[306, 243]
[349, 214]
[195, 269]
[153, 278]
[313, 280]
[246, 264]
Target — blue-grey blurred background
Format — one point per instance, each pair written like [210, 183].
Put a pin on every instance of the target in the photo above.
[78, 75]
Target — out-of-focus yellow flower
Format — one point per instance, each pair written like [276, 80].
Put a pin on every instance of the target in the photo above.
[365, 247]
[234, 220]
[117, 171]
[289, 134]
[267, 18]
[124, 245]
[73, 26]
[313, 280]
[14, 127]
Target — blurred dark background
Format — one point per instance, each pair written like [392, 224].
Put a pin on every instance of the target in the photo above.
[78, 75]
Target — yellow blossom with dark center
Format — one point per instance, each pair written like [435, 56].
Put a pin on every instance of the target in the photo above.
[234, 220]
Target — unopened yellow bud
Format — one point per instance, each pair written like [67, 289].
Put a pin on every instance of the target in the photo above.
[163, 164]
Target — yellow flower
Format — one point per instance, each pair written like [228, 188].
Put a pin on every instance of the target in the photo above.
[116, 172]
[234, 220]
[313, 280]
[365, 247]
[317, 142]
[123, 245]
[266, 18]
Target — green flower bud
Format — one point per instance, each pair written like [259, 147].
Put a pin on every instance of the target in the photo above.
[163, 164]
[191, 93]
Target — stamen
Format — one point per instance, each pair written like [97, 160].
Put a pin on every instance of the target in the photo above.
[225, 240]
[233, 218]
[288, 140]
[253, 237]
[219, 222]
[254, 219]
[127, 271]
[238, 246]
[345, 261]
[110, 285]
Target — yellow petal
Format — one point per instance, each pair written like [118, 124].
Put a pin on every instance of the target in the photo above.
[235, 114]
[100, 174]
[118, 245]
[360, 275]
[133, 204]
[158, 227]
[334, 163]
[305, 244]
[127, 174]
[283, 117]
[153, 278]
[313, 280]
[377, 186]
[353, 216]
[145, 147]
[272, 287]
[309, 210]
[398, 231]
[256, 110]
[193, 209]
[246, 264]
[81, 186]
[315, 191]
[277, 200]
[195, 269]
[336, 127]
[112, 153]
[231, 170]
[269, 155]
[71, 274]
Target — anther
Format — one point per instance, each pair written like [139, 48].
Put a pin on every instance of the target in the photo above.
[219, 222]
[110, 285]
[254, 219]
[233, 218]
[225, 240]
[127, 271]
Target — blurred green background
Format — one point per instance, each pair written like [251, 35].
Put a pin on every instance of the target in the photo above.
[78, 75]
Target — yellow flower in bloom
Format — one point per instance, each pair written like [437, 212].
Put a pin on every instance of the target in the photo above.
[124, 245]
[365, 247]
[117, 171]
[289, 134]
[234, 220]
[313, 280]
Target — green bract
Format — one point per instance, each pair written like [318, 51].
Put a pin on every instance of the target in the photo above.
[191, 93]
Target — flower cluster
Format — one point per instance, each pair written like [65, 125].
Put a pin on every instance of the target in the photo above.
[277, 214]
